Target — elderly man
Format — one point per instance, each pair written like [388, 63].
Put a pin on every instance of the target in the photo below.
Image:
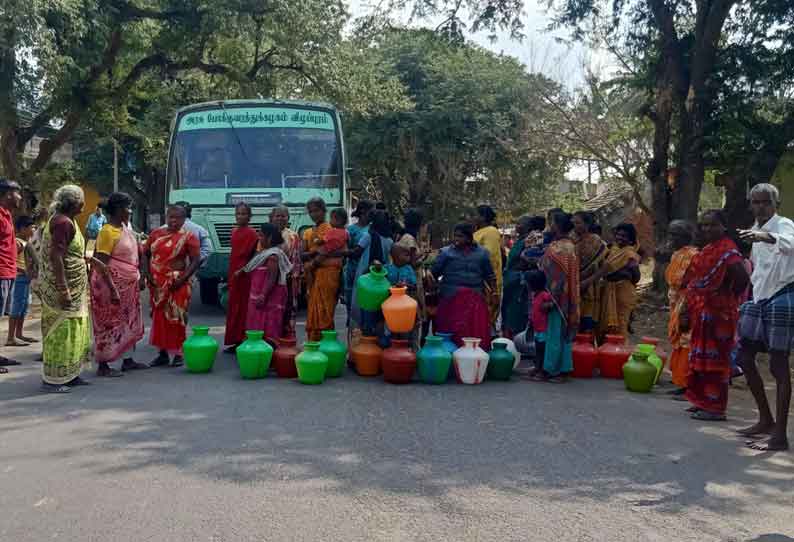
[767, 322]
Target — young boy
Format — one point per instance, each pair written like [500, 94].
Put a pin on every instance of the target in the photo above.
[542, 303]
[400, 271]
[21, 293]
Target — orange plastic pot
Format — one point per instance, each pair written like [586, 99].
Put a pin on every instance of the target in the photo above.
[367, 356]
[612, 355]
[399, 311]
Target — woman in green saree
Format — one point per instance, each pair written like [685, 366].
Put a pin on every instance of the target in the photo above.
[515, 302]
[63, 290]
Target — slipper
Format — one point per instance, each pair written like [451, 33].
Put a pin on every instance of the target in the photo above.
[132, 365]
[692, 409]
[177, 361]
[30, 340]
[704, 416]
[15, 344]
[160, 361]
[77, 381]
[230, 350]
[538, 378]
[5, 362]
[109, 372]
[52, 388]
[3, 371]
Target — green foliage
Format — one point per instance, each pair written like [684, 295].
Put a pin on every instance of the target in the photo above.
[460, 143]
[119, 68]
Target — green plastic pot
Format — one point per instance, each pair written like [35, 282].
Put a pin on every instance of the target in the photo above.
[312, 364]
[653, 358]
[372, 289]
[200, 350]
[433, 361]
[335, 351]
[500, 362]
[254, 355]
[638, 374]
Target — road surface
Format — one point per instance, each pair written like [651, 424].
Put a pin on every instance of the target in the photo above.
[162, 455]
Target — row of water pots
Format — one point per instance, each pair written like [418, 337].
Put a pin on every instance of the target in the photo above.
[326, 359]
[318, 361]
[436, 361]
[639, 368]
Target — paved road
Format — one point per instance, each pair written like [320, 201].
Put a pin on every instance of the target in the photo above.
[166, 456]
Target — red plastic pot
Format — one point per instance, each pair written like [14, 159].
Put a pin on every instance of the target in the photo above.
[612, 355]
[585, 356]
[284, 358]
[398, 363]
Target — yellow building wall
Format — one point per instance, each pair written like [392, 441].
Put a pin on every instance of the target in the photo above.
[92, 199]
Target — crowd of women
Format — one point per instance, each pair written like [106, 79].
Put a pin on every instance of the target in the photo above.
[555, 278]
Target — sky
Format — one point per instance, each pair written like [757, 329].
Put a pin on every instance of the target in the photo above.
[539, 50]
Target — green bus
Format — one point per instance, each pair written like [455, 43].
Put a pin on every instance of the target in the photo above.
[266, 153]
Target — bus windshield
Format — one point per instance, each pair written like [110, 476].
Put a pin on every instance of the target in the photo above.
[257, 147]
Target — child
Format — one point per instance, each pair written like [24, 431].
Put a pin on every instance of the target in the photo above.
[542, 303]
[400, 271]
[335, 240]
[21, 292]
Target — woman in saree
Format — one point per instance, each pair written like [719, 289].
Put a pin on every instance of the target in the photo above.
[115, 290]
[591, 251]
[515, 305]
[488, 237]
[244, 244]
[617, 292]
[561, 267]
[465, 274]
[269, 294]
[715, 281]
[171, 256]
[682, 235]
[63, 288]
[291, 246]
[323, 278]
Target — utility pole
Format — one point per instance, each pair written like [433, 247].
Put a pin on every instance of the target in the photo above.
[115, 165]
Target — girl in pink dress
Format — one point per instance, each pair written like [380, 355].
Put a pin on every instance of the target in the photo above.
[269, 269]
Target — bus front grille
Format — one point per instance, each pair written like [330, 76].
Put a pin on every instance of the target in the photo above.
[224, 233]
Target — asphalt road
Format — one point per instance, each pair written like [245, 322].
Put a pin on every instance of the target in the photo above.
[162, 455]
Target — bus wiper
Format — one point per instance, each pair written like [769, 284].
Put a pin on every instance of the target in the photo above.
[239, 141]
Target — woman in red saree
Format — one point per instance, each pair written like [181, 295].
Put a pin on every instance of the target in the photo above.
[115, 290]
[323, 279]
[715, 280]
[171, 257]
[244, 243]
[269, 296]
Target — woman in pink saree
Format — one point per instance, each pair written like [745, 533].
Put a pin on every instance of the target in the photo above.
[268, 304]
[115, 290]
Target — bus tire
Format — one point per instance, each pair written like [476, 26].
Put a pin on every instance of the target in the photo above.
[208, 291]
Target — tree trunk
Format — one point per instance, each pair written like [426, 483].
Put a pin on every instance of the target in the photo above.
[657, 172]
[9, 121]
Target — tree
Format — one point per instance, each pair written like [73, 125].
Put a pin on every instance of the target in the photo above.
[462, 140]
[71, 62]
[681, 54]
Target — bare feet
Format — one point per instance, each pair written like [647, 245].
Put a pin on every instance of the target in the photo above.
[773, 444]
[761, 428]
